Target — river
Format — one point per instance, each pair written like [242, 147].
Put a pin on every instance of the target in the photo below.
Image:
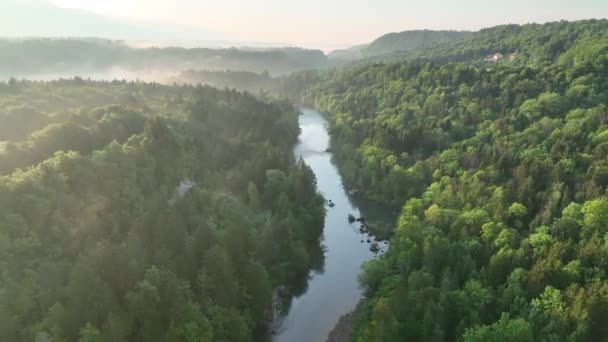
[333, 290]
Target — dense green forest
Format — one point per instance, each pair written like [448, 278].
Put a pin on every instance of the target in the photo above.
[243, 80]
[533, 43]
[501, 170]
[32, 57]
[398, 43]
[141, 212]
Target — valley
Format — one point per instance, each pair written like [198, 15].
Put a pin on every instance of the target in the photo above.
[428, 185]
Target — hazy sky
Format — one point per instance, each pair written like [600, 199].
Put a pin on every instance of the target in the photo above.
[310, 22]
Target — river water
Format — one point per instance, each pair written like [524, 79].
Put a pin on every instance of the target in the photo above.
[333, 290]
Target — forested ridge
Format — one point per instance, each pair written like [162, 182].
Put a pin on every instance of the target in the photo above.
[141, 212]
[243, 80]
[40, 56]
[501, 171]
[408, 41]
[533, 43]
[395, 44]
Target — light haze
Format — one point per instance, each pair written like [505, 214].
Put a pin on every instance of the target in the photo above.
[318, 23]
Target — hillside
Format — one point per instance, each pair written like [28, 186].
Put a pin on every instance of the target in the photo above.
[351, 54]
[409, 41]
[532, 43]
[31, 58]
[140, 212]
[502, 175]
[394, 44]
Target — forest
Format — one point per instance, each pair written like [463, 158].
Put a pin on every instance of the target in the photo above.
[134, 211]
[32, 57]
[501, 173]
[251, 82]
[142, 212]
[396, 44]
[533, 43]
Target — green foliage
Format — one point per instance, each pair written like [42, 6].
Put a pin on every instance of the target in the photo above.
[502, 331]
[502, 169]
[533, 43]
[139, 217]
[143, 212]
[89, 334]
[578, 42]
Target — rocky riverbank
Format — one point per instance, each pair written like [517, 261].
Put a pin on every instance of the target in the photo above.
[344, 328]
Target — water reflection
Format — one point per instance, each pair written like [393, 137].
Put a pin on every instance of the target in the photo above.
[331, 289]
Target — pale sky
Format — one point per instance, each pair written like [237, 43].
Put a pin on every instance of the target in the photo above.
[310, 22]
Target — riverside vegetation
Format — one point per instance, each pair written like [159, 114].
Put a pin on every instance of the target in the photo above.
[97, 245]
[501, 170]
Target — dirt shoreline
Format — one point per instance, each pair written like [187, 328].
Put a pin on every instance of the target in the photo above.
[344, 328]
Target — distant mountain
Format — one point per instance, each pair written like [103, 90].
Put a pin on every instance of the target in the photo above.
[348, 55]
[531, 43]
[397, 43]
[522, 44]
[42, 58]
[402, 42]
[40, 18]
